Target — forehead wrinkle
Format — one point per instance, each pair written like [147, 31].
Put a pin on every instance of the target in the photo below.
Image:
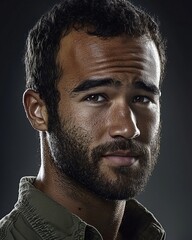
[119, 67]
[89, 56]
[109, 55]
[112, 60]
[119, 64]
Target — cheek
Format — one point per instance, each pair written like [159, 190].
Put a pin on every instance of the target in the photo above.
[148, 124]
[90, 120]
[93, 121]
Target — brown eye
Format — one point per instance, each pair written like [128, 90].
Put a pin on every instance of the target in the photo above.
[141, 99]
[97, 98]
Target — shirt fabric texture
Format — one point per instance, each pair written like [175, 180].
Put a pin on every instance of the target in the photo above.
[38, 217]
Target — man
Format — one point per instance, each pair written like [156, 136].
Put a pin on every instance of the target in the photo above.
[94, 72]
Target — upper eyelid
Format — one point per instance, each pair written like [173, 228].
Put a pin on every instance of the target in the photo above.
[146, 94]
[111, 94]
[96, 94]
[149, 96]
[151, 99]
[143, 96]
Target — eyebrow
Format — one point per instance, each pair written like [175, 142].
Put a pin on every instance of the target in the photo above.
[94, 83]
[146, 86]
[89, 84]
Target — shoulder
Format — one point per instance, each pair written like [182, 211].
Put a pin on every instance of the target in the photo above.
[7, 225]
[15, 227]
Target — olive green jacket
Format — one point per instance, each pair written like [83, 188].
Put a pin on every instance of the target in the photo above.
[36, 216]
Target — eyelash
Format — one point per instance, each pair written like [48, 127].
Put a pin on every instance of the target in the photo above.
[137, 99]
[88, 98]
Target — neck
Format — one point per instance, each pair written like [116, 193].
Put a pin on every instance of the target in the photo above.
[104, 215]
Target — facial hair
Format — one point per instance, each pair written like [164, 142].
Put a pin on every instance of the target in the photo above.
[82, 166]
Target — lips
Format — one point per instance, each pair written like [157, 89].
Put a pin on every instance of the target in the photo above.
[121, 158]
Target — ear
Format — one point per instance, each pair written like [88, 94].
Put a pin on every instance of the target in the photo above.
[35, 110]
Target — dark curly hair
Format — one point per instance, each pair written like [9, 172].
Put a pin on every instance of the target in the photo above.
[107, 18]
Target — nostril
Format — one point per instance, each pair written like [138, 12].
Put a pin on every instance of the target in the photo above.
[122, 122]
[124, 131]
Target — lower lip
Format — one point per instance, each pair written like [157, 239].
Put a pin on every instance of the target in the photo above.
[120, 161]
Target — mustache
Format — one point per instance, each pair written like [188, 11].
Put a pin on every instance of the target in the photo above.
[130, 145]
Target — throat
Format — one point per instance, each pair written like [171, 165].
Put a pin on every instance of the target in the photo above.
[105, 215]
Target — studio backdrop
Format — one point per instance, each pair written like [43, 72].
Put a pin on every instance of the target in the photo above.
[169, 192]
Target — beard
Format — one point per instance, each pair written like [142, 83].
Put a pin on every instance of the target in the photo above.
[82, 167]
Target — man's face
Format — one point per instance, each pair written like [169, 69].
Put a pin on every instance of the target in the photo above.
[106, 138]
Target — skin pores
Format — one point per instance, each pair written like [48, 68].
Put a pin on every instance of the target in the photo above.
[107, 137]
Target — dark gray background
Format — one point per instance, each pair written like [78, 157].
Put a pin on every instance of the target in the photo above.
[168, 194]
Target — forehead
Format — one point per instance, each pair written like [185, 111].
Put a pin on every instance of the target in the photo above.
[82, 56]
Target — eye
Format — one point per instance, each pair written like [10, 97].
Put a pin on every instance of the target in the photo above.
[141, 99]
[95, 98]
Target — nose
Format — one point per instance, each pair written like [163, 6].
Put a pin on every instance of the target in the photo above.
[122, 123]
